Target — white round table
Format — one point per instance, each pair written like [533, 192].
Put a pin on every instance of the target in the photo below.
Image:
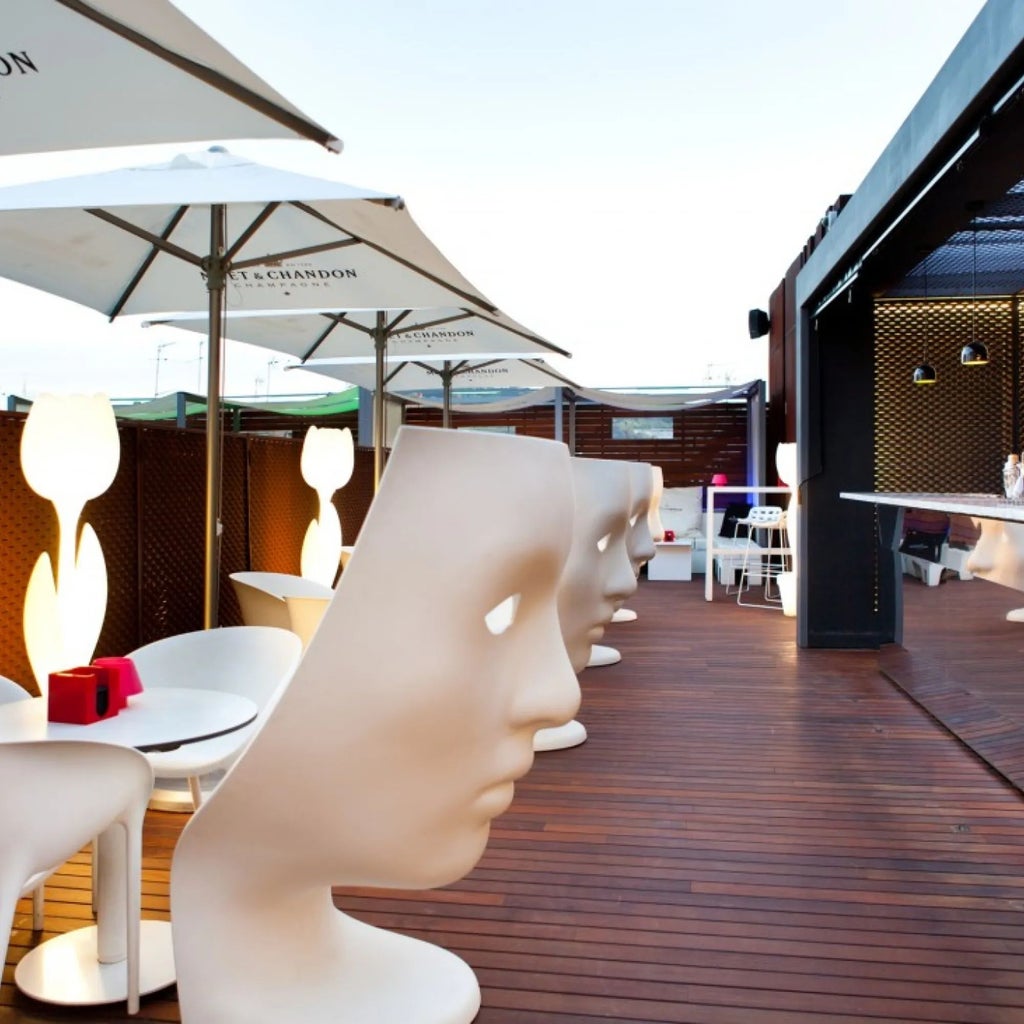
[66, 970]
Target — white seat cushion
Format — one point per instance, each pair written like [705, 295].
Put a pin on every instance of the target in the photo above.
[680, 509]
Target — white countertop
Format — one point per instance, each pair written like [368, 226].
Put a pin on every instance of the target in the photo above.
[980, 506]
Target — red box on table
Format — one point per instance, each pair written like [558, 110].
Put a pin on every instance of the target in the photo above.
[81, 696]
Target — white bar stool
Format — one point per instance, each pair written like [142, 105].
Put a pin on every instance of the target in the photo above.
[764, 562]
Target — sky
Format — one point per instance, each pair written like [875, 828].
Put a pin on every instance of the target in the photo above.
[625, 179]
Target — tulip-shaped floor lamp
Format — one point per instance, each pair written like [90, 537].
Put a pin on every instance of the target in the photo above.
[70, 451]
[328, 458]
[786, 466]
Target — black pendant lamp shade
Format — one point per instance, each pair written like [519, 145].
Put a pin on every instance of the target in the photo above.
[924, 373]
[974, 353]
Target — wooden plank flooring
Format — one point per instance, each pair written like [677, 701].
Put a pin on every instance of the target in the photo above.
[752, 835]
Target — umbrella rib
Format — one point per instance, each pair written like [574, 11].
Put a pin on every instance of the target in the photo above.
[295, 123]
[426, 366]
[440, 321]
[474, 300]
[251, 230]
[161, 243]
[335, 321]
[278, 257]
[392, 328]
[147, 262]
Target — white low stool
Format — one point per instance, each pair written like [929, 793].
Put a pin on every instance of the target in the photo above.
[560, 737]
[601, 656]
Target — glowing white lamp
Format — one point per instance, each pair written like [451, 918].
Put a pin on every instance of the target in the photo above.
[785, 464]
[328, 458]
[69, 454]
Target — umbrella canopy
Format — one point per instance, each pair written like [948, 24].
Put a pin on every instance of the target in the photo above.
[211, 229]
[414, 377]
[120, 73]
[393, 335]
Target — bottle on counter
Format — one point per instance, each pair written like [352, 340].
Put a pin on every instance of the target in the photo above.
[1013, 482]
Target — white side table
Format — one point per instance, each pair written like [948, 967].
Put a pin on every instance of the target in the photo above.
[673, 561]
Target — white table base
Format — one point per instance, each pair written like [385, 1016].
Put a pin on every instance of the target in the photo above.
[560, 737]
[174, 794]
[65, 970]
[601, 655]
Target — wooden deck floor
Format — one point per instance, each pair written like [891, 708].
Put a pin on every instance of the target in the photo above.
[752, 835]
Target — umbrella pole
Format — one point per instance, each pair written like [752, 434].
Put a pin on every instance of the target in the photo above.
[572, 423]
[380, 340]
[214, 267]
[446, 404]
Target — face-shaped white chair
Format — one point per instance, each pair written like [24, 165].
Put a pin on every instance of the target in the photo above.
[639, 540]
[597, 577]
[607, 491]
[397, 741]
[998, 557]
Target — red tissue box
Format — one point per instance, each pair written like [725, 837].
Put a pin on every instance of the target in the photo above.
[83, 695]
[670, 535]
[126, 674]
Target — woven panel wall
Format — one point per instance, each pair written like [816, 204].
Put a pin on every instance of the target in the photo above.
[953, 435]
[708, 440]
[172, 490]
[29, 527]
[281, 505]
[353, 500]
[536, 421]
[234, 551]
[114, 516]
[712, 439]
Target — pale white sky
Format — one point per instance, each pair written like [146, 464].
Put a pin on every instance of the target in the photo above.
[626, 179]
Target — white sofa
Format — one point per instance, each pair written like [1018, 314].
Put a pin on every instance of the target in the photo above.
[681, 510]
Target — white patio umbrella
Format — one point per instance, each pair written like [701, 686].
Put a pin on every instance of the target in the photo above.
[408, 378]
[460, 335]
[124, 72]
[213, 230]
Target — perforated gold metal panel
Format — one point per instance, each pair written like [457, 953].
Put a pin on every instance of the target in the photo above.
[955, 434]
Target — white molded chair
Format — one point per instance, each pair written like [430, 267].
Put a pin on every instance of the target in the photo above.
[65, 793]
[11, 691]
[262, 595]
[304, 615]
[253, 661]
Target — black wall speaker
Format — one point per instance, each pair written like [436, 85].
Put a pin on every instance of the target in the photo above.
[758, 323]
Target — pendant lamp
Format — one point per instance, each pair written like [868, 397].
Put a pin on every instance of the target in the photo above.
[924, 372]
[974, 353]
